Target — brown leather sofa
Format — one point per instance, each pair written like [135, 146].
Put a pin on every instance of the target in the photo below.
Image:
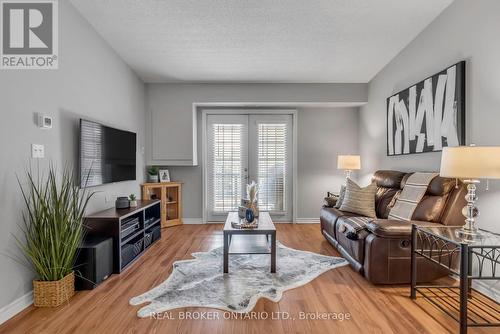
[382, 251]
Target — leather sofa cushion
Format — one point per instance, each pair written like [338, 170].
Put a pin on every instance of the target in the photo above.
[388, 183]
[383, 199]
[440, 186]
[390, 228]
[430, 208]
[388, 178]
[432, 205]
[452, 214]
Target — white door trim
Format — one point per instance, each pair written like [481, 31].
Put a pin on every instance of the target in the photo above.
[205, 112]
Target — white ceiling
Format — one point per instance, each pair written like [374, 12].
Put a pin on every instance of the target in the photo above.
[259, 40]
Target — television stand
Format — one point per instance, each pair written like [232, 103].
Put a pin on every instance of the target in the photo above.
[133, 230]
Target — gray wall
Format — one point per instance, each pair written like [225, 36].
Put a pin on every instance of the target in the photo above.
[465, 30]
[322, 134]
[341, 124]
[91, 82]
[170, 106]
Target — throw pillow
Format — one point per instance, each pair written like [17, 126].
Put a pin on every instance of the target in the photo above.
[341, 197]
[359, 200]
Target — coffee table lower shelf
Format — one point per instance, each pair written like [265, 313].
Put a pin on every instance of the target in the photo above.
[249, 244]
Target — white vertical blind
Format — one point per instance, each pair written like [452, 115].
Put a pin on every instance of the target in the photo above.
[227, 169]
[272, 166]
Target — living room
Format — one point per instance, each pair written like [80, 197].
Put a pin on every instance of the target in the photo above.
[250, 166]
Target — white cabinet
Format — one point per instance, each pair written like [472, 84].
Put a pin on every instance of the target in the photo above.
[171, 131]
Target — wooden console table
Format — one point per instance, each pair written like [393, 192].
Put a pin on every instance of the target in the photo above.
[170, 194]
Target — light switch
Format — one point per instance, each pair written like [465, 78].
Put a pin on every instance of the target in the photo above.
[37, 151]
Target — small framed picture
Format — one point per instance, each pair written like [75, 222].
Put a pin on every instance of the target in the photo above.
[164, 175]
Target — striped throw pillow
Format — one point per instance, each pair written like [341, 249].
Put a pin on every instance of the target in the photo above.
[359, 200]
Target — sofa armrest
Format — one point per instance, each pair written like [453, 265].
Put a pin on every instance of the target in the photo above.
[391, 228]
[330, 200]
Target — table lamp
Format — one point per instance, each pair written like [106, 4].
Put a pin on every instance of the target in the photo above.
[349, 163]
[470, 163]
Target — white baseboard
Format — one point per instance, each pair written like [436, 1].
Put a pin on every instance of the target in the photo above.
[307, 220]
[489, 288]
[10, 310]
[192, 221]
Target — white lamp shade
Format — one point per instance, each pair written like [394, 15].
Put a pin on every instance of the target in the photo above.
[471, 162]
[350, 162]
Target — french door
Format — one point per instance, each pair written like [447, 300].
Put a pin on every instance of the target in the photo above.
[244, 148]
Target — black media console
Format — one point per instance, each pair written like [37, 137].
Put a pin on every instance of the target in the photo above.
[133, 230]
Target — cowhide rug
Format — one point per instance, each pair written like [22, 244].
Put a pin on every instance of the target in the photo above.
[199, 282]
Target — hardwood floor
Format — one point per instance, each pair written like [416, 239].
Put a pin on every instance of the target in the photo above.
[373, 309]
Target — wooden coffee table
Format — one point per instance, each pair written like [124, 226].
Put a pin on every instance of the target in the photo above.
[250, 241]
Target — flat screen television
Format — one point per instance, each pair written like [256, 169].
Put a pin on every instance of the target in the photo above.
[106, 154]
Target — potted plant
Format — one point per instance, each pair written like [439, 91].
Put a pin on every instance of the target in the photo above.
[53, 230]
[133, 201]
[153, 174]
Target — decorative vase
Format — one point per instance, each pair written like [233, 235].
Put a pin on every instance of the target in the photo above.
[53, 293]
[249, 215]
[246, 204]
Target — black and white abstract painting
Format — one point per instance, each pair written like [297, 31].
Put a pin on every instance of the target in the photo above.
[429, 115]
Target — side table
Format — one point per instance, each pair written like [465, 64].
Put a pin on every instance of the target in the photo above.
[477, 259]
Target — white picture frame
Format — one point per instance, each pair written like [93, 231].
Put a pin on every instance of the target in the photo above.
[164, 175]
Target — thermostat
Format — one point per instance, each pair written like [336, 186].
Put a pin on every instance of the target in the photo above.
[44, 122]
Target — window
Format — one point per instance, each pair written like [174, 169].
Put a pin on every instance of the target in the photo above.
[227, 166]
[91, 155]
[272, 140]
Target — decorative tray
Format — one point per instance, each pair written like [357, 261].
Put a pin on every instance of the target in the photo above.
[243, 224]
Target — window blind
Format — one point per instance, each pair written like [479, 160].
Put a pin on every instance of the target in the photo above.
[91, 154]
[227, 160]
[272, 159]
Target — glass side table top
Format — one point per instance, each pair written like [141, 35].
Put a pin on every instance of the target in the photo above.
[448, 233]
